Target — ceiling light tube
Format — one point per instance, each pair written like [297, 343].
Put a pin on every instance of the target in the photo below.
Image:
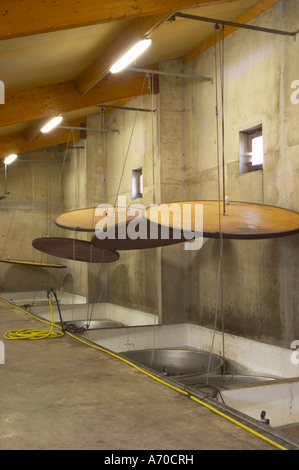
[51, 124]
[131, 55]
[11, 158]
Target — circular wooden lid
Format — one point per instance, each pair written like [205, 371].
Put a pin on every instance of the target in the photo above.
[35, 264]
[86, 220]
[241, 220]
[136, 235]
[77, 250]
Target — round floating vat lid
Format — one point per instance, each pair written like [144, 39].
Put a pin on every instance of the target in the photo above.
[86, 220]
[35, 264]
[241, 220]
[136, 234]
[77, 250]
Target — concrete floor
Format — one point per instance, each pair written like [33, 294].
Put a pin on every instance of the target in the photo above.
[62, 394]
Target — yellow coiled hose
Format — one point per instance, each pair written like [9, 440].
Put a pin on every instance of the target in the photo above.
[28, 333]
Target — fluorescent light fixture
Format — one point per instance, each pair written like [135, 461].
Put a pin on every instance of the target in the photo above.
[11, 158]
[131, 55]
[51, 124]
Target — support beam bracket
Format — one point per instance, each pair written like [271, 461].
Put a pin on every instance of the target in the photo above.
[236, 25]
[171, 74]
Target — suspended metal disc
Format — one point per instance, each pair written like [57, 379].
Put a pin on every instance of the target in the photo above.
[121, 228]
[86, 220]
[241, 220]
[136, 234]
[77, 250]
[35, 264]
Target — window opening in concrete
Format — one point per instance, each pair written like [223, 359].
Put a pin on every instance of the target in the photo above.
[251, 147]
[137, 183]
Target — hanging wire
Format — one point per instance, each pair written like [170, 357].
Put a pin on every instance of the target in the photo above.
[221, 64]
[10, 225]
[130, 140]
[48, 215]
[118, 190]
[156, 318]
[64, 157]
[76, 206]
[48, 197]
[33, 208]
[33, 226]
[219, 39]
[152, 84]
[223, 202]
[101, 125]
[217, 126]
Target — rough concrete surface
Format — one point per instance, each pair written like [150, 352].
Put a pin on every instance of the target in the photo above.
[61, 394]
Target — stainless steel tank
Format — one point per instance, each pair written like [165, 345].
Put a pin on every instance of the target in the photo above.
[176, 362]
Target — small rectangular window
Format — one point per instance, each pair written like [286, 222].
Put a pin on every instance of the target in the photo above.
[251, 148]
[137, 183]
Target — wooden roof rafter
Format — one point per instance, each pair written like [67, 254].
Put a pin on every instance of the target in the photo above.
[30, 17]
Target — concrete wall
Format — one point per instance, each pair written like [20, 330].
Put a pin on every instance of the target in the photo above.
[74, 196]
[173, 188]
[151, 280]
[42, 185]
[29, 212]
[96, 193]
[135, 280]
[260, 278]
[84, 186]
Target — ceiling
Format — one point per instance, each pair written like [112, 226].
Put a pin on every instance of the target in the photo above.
[55, 56]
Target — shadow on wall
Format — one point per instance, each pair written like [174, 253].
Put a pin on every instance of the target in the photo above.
[28, 278]
[68, 283]
[119, 286]
[132, 281]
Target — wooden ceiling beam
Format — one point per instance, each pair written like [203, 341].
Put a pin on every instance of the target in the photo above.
[28, 17]
[138, 29]
[17, 142]
[249, 15]
[48, 101]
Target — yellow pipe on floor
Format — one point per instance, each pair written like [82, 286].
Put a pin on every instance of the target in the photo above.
[234, 421]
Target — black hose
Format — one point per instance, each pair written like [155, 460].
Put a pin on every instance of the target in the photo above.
[58, 306]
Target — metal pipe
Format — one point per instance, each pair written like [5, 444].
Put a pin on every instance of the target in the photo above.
[87, 129]
[126, 108]
[236, 25]
[40, 161]
[171, 74]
